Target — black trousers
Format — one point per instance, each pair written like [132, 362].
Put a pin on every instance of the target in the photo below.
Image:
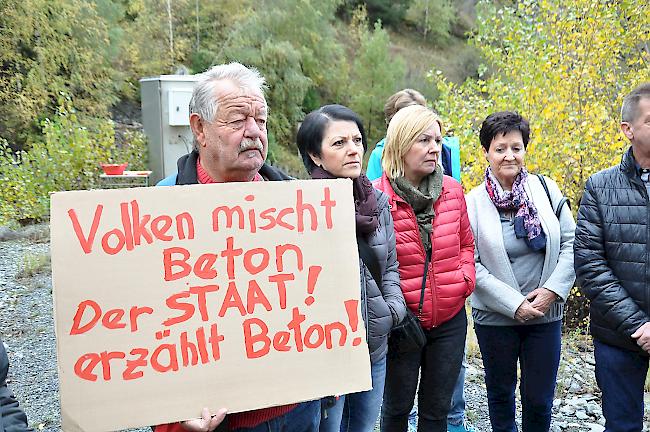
[437, 365]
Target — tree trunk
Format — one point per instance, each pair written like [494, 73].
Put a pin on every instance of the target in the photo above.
[171, 32]
[426, 18]
[198, 29]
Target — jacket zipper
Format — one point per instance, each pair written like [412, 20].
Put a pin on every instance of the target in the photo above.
[434, 314]
[366, 321]
[641, 187]
[434, 294]
[644, 193]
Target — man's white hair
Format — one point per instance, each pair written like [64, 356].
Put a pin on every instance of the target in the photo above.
[204, 101]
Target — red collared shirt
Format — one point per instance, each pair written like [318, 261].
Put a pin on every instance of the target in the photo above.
[204, 178]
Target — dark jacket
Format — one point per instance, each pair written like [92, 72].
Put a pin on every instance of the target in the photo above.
[186, 176]
[187, 172]
[382, 307]
[12, 418]
[611, 253]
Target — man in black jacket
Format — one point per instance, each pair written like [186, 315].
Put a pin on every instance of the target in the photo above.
[228, 115]
[612, 263]
[12, 418]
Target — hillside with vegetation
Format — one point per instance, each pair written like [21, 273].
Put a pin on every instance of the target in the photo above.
[68, 64]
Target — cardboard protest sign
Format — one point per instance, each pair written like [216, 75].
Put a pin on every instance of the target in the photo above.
[237, 295]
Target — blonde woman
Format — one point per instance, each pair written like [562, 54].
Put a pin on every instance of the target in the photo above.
[435, 251]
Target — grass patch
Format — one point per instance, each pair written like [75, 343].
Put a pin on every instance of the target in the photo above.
[457, 60]
[34, 264]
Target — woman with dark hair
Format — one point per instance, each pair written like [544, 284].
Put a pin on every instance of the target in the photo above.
[332, 141]
[524, 271]
[435, 250]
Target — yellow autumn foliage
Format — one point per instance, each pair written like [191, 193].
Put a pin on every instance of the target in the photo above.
[564, 65]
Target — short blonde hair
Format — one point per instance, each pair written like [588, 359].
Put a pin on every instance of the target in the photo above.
[403, 130]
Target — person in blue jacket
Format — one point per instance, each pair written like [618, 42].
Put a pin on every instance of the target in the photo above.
[402, 99]
[456, 421]
[12, 417]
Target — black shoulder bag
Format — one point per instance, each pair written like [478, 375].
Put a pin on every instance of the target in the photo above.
[563, 201]
[408, 335]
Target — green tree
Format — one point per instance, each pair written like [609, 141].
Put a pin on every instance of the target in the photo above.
[389, 12]
[374, 76]
[158, 40]
[67, 158]
[209, 26]
[566, 66]
[49, 48]
[434, 18]
[311, 57]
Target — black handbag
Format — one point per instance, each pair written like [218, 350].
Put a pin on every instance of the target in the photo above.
[408, 335]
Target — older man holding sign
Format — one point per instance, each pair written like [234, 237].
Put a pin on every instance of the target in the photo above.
[172, 299]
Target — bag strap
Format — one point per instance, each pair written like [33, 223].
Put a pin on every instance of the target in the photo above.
[369, 258]
[424, 280]
[563, 201]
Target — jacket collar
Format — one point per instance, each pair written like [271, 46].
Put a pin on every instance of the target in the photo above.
[187, 170]
[628, 164]
[383, 184]
[628, 167]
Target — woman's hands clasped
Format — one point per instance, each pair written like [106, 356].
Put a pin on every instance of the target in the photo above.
[537, 303]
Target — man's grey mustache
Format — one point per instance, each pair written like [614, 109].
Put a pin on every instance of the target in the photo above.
[250, 144]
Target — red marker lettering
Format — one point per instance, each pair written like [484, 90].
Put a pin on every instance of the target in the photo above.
[169, 264]
[81, 309]
[86, 243]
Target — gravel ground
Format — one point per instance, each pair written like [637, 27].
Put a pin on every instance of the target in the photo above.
[27, 329]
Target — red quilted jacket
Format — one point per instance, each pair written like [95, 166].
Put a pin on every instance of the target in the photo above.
[451, 275]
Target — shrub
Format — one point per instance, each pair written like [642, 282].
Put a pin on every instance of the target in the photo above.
[67, 158]
[565, 65]
[576, 311]
[34, 264]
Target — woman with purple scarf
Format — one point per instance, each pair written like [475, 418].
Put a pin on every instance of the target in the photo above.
[332, 142]
[524, 272]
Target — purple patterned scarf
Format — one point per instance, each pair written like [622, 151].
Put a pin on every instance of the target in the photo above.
[527, 225]
[365, 201]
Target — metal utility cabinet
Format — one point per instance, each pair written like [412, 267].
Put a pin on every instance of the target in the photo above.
[166, 120]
